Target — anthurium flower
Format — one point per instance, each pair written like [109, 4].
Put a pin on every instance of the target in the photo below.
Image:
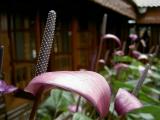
[135, 54]
[90, 85]
[102, 61]
[143, 58]
[113, 38]
[73, 108]
[126, 102]
[133, 37]
[119, 66]
[4, 88]
[119, 53]
[132, 47]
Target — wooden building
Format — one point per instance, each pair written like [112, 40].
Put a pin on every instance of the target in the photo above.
[148, 21]
[77, 36]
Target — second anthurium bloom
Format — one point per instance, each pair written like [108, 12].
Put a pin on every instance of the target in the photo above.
[126, 102]
[4, 88]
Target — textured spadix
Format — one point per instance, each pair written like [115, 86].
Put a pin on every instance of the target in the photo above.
[126, 102]
[90, 85]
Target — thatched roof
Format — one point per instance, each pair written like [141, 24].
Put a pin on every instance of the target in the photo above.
[119, 6]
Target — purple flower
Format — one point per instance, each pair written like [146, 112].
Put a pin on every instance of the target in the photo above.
[72, 108]
[113, 39]
[135, 54]
[133, 37]
[4, 88]
[102, 61]
[126, 102]
[88, 84]
[143, 58]
[119, 53]
[132, 47]
[118, 67]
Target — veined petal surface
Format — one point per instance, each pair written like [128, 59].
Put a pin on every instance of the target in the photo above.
[88, 84]
[126, 102]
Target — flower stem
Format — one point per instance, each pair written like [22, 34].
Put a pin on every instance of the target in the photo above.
[144, 74]
[103, 31]
[35, 105]
[78, 103]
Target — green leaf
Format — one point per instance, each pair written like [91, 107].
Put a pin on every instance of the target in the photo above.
[140, 116]
[61, 99]
[152, 110]
[79, 116]
[119, 84]
[148, 99]
[64, 116]
[43, 114]
[57, 102]
[134, 82]
[122, 59]
[148, 89]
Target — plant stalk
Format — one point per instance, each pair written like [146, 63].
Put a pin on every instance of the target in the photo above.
[141, 80]
[44, 54]
[103, 31]
[78, 103]
[144, 74]
[35, 105]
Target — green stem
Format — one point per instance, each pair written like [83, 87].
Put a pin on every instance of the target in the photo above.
[35, 105]
[78, 103]
[58, 104]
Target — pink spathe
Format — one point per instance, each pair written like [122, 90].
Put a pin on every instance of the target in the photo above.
[88, 84]
[4, 88]
[113, 38]
[126, 102]
[73, 108]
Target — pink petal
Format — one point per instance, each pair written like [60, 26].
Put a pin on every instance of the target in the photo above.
[72, 108]
[102, 61]
[132, 47]
[90, 85]
[112, 37]
[119, 66]
[133, 37]
[119, 53]
[126, 102]
[136, 54]
[143, 58]
[4, 88]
